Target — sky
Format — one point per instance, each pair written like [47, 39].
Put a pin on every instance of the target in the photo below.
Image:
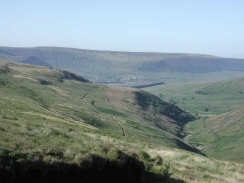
[213, 27]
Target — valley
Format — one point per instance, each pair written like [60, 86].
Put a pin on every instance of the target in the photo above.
[122, 92]
[52, 118]
[56, 117]
[218, 131]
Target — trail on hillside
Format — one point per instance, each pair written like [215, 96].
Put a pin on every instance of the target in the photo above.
[217, 138]
[122, 128]
[87, 95]
[203, 122]
[84, 97]
[107, 99]
[59, 114]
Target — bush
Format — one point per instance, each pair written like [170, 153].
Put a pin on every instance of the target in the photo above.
[44, 82]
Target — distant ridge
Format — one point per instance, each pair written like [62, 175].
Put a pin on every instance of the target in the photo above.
[2, 52]
[131, 68]
[35, 61]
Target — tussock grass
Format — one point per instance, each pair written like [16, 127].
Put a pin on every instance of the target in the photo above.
[195, 168]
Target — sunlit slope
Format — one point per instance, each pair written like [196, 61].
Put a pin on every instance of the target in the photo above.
[220, 136]
[58, 124]
[195, 168]
[219, 105]
[129, 68]
[28, 92]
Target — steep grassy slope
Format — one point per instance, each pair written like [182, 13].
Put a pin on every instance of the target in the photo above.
[112, 109]
[131, 68]
[57, 125]
[56, 117]
[219, 130]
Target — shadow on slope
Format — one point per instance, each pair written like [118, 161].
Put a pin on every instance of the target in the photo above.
[15, 169]
[145, 100]
[72, 76]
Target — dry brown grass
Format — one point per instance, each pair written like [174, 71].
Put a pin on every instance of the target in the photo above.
[195, 168]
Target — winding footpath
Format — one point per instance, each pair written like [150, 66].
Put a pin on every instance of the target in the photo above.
[122, 128]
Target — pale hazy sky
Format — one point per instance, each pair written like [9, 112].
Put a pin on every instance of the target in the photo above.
[178, 26]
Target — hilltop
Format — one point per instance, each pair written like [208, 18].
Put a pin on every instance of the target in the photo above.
[129, 68]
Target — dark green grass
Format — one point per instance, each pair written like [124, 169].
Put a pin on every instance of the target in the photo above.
[112, 112]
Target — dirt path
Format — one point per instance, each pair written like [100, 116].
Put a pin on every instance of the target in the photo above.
[122, 128]
[203, 122]
[217, 138]
[84, 97]
[58, 114]
[107, 99]
[123, 131]
[91, 109]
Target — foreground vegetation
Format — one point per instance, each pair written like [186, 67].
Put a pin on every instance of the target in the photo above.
[54, 122]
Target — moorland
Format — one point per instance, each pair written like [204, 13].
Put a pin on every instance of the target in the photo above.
[58, 121]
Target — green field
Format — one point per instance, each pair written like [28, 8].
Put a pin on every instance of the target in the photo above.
[203, 98]
[220, 136]
[219, 106]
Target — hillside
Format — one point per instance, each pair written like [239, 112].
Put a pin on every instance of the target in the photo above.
[55, 125]
[219, 105]
[49, 117]
[203, 98]
[128, 68]
[108, 108]
[220, 136]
